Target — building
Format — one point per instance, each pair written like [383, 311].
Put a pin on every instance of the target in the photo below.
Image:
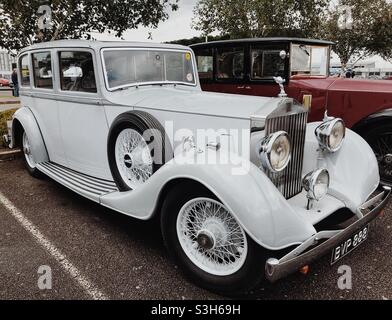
[6, 61]
[372, 68]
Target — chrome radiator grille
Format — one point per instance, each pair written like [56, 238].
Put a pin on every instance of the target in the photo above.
[292, 119]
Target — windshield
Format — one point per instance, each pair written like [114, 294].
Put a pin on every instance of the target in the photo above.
[309, 60]
[129, 67]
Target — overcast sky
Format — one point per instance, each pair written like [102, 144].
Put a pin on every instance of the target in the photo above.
[178, 26]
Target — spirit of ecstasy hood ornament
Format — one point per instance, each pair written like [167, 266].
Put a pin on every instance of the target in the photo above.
[280, 81]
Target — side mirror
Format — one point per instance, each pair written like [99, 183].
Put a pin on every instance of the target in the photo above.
[283, 55]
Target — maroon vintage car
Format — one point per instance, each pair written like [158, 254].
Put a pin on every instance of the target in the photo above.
[250, 66]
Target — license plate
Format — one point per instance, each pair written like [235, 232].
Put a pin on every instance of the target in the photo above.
[349, 245]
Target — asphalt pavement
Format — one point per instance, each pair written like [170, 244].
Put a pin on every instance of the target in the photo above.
[87, 246]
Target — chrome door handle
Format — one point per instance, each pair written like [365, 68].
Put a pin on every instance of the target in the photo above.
[241, 87]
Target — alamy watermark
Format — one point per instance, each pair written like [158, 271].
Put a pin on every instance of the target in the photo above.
[345, 280]
[45, 18]
[44, 277]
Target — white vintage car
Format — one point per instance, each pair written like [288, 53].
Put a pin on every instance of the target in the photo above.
[245, 189]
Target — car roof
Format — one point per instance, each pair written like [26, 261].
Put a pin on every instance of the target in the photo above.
[263, 40]
[99, 44]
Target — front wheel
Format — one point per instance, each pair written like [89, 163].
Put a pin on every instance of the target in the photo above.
[380, 139]
[208, 243]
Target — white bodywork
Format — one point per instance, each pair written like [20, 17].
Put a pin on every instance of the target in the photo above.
[71, 130]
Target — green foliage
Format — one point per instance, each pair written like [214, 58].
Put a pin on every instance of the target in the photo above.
[73, 19]
[4, 117]
[371, 31]
[260, 18]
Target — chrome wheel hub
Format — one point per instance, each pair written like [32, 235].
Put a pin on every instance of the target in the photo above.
[133, 158]
[206, 239]
[27, 151]
[388, 159]
[211, 237]
[128, 161]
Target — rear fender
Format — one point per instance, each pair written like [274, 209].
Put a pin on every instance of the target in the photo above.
[24, 119]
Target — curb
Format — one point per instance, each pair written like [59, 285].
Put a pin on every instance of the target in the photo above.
[10, 102]
[10, 155]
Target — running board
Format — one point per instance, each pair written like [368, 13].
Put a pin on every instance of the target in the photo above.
[87, 186]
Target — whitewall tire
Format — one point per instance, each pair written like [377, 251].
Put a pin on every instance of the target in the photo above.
[208, 243]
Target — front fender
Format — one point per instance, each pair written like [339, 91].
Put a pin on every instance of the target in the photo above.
[249, 194]
[27, 120]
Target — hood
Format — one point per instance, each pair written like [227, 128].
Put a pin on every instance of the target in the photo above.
[194, 101]
[344, 84]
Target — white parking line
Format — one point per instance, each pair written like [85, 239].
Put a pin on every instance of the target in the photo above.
[67, 265]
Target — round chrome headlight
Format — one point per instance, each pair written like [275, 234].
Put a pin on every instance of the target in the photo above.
[275, 151]
[331, 134]
[316, 184]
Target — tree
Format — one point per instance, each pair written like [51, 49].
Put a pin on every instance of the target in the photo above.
[359, 28]
[194, 40]
[260, 18]
[74, 19]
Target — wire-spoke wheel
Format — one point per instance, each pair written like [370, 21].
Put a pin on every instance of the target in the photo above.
[210, 237]
[137, 148]
[133, 158]
[380, 139]
[208, 243]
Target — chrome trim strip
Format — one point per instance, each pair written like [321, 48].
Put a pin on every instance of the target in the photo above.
[62, 97]
[90, 184]
[71, 178]
[84, 177]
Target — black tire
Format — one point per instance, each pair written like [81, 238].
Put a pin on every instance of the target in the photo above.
[141, 122]
[248, 277]
[381, 148]
[33, 171]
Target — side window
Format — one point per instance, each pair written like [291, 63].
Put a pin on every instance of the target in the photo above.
[42, 70]
[230, 63]
[24, 70]
[77, 71]
[266, 64]
[205, 64]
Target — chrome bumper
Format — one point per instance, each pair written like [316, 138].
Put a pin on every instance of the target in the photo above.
[276, 269]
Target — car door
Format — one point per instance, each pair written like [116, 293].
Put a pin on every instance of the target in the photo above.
[82, 118]
[44, 104]
[230, 74]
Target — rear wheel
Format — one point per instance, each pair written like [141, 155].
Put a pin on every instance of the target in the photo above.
[28, 158]
[380, 139]
[208, 243]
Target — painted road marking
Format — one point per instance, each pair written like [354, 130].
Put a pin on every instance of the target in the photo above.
[67, 265]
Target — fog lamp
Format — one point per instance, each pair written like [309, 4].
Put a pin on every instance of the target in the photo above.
[316, 184]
